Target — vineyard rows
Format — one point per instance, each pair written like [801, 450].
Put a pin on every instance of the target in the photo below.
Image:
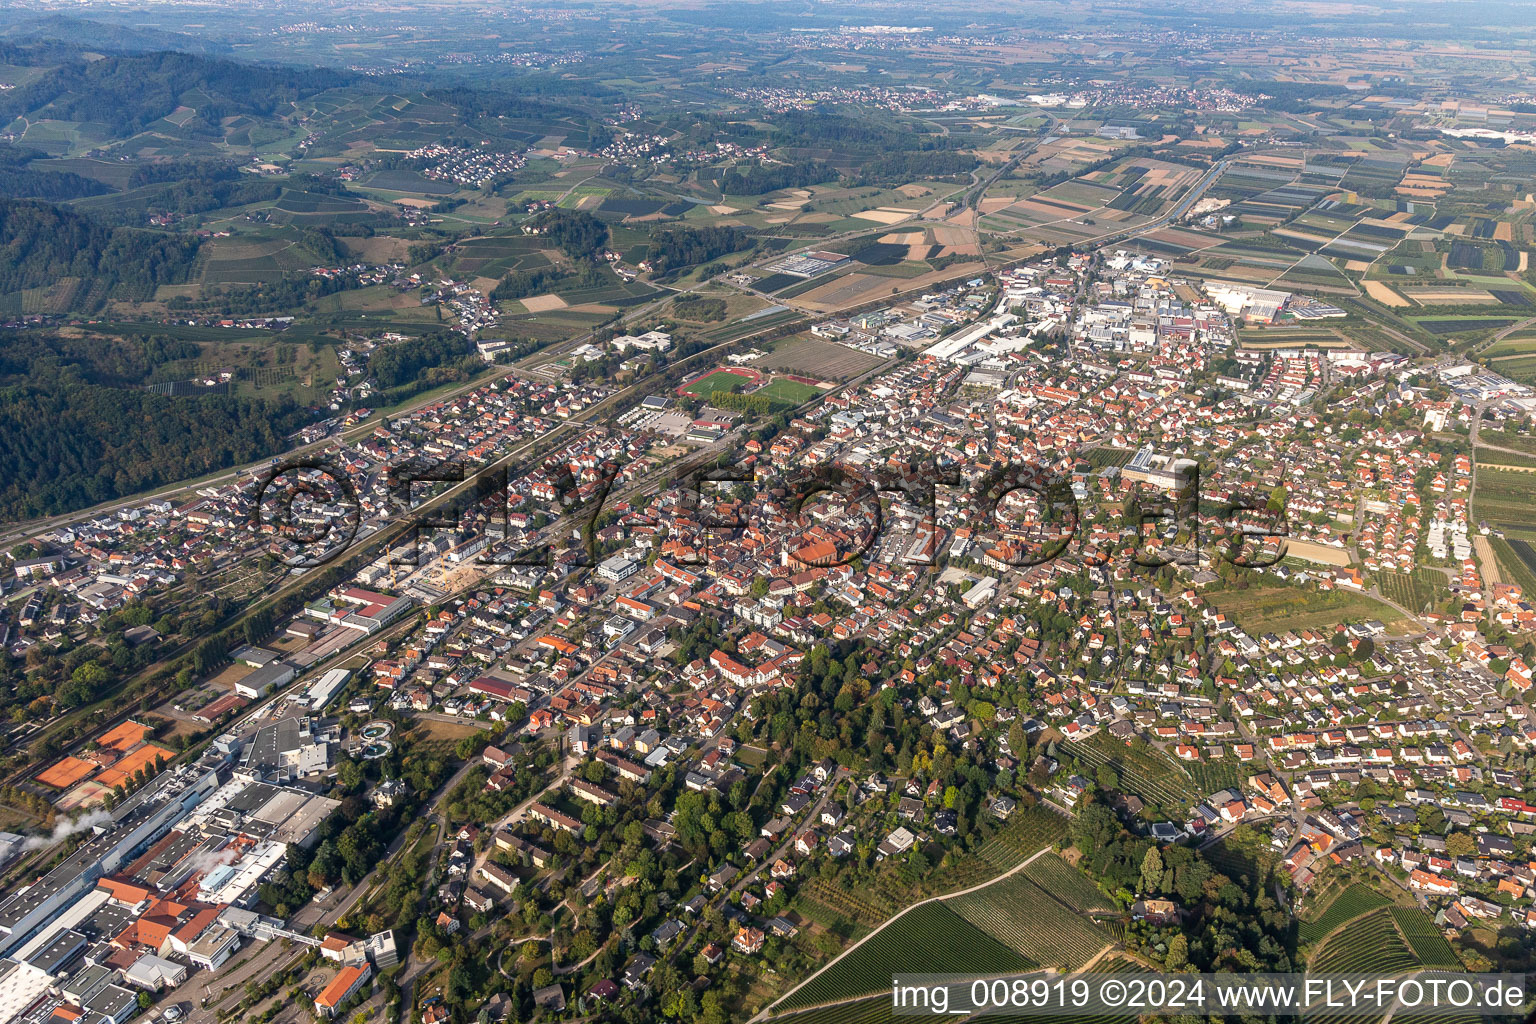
[1018, 913]
[1425, 938]
[840, 901]
[929, 939]
[1352, 902]
[1371, 945]
[871, 1011]
[1108, 965]
[1066, 883]
[1030, 829]
[1159, 786]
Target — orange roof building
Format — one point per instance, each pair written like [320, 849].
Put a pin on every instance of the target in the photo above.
[123, 891]
[187, 932]
[348, 981]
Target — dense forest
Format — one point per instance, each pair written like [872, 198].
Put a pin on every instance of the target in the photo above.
[532, 99]
[268, 299]
[125, 362]
[819, 129]
[206, 185]
[579, 235]
[1230, 923]
[758, 180]
[912, 166]
[674, 248]
[404, 362]
[40, 243]
[127, 93]
[522, 283]
[18, 179]
[61, 28]
[68, 440]
[1295, 97]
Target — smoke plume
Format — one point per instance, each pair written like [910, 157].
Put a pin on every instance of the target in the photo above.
[64, 828]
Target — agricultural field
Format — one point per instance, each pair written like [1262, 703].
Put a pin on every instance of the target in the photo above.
[499, 255]
[1144, 771]
[1466, 325]
[868, 1011]
[1023, 916]
[763, 320]
[813, 357]
[1100, 458]
[1517, 561]
[1107, 965]
[1028, 829]
[1264, 609]
[401, 180]
[863, 907]
[1370, 945]
[1214, 776]
[930, 938]
[258, 260]
[1503, 498]
[1067, 884]
[1424, 938]
[1355, 900]
[1520, 343]
[1412, 590]
[1521, 369]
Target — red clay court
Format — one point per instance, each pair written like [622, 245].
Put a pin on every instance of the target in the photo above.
[125, 736]
[66, 772]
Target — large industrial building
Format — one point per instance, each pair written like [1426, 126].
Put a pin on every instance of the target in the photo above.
[159, 889]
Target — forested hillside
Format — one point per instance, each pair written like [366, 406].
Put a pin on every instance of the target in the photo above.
[18, 179]
[678, 247]
[128, 92]
[40, 243]
[69, 438]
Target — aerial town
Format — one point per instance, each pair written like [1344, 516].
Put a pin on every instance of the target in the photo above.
[584, 554]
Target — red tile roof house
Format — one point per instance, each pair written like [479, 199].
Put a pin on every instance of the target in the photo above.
[347, 983]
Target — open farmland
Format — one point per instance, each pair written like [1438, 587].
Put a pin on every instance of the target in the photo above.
[253, 261]
[1027, 918]
[1351, 903]
[1261, 609]
[1518, 344]
[815, 358]
[499, 255]
[930, 939]
[1371, 945]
